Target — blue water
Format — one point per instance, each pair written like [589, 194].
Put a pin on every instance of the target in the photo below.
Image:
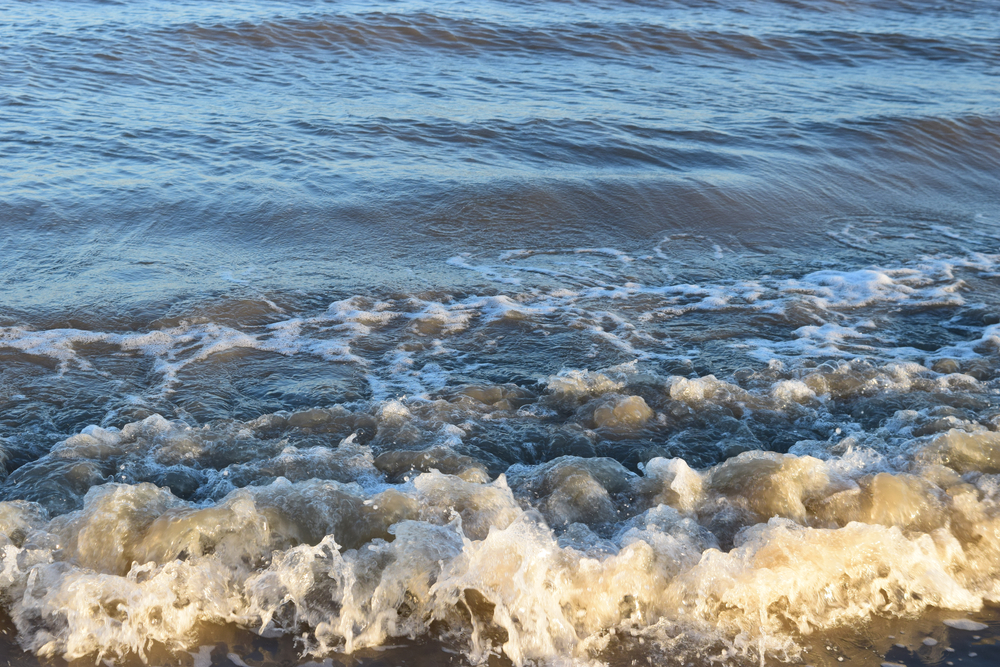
[205, 135]
[495, 235]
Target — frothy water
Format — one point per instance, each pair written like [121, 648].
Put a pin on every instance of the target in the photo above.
[574, 333]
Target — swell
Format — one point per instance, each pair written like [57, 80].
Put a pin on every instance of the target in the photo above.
[616, 40]
[163, 251]
[603, 36]
[912, 153]
[936, 146]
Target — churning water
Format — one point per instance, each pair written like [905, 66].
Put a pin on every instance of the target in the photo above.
[498, 332]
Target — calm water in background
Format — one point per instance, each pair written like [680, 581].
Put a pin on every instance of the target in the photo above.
[490, 326]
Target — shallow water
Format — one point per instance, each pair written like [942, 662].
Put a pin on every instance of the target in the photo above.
[500, 333]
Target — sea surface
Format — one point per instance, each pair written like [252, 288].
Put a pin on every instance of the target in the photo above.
[566, 332]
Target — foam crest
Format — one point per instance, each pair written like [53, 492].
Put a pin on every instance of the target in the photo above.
[571, 559]
[576, 384]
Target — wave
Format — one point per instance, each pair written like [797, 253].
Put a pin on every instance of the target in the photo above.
[594, 291]
[618, 39]
[303, 531]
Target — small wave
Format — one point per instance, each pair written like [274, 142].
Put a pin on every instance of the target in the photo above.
[616, 39]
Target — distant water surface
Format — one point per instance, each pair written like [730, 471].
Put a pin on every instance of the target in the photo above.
[500, 332]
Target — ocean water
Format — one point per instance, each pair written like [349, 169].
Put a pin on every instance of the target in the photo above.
[500, 333]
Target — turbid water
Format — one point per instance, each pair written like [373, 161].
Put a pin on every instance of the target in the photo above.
[595, 332]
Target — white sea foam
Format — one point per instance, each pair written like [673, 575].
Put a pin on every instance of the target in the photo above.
[348, 546]
[818, 545]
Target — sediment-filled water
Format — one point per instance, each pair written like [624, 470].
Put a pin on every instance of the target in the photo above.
[505, 333]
